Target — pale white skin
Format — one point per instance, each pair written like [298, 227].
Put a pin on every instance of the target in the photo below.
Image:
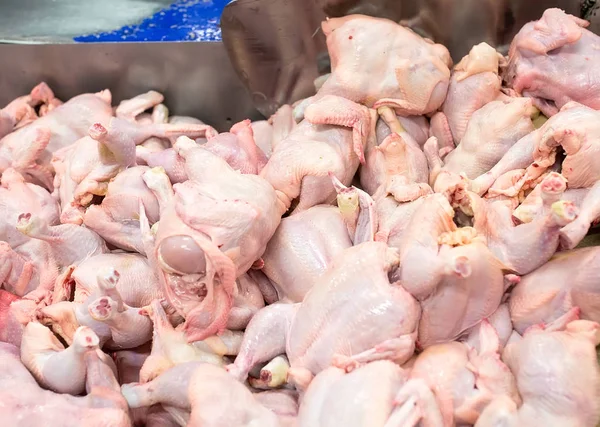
[387, 314]
[69, 244]
[59, 369]
[137, 284]
[576, 128]
[524, 247]
[18, 196]
[399, 69]
[170, 347]
[302, 249]
[572, 234]
[433, 217]
[128, 328]
[116, 219]
[491, 131]
[30, 405]
[64, 317]
[552, 189]
[391, 153]
[460, 301]
[568, 280]
[195, 214]
[194, 385]
[557, 375]
[464, 379]
[321, 144]
[371, 395]
[474, 83]
[65, 125]
[545, 52]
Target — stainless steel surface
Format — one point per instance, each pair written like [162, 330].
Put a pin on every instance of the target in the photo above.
[275, 46]
[60, 20]
[196, 78]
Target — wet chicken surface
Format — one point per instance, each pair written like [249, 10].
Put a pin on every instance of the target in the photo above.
[400, 249]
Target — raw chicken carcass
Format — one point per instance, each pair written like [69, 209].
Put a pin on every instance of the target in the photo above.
[85, 168]
[247, 299]
[384, 315]
[20, 111]
[576, 128]
[377, 394]
[320, 145]
[116, 219]
[128, 327]
[18, 196]
[416, 126]
[474, 82]
[465, 380]
[136, 282]
[490, 133]
[395, 211]
[572, 234]
[552, 188]
[379, 63]
[525, 247]
[569, 279]
[69, 244]
[398, 154]
[557, 376]
[197, 254]
[29, 149]
[551, 60]
[102, 309]
[15, 314]
[170, 347]
[205, 393]
[238, 148]
[419, 245]
[317, 333]
[60, 369]
[459, 301]
[25, 404]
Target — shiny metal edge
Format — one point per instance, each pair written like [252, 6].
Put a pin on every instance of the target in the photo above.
[197, 79]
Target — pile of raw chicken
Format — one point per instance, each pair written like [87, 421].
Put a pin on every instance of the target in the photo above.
[397, 250]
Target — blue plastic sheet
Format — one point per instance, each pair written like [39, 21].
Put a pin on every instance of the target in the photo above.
[184, 20]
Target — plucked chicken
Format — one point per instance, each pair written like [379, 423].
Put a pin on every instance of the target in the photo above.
[414, 245]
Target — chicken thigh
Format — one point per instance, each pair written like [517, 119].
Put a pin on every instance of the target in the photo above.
[398, 154]
[465, 380]
[573, 233]
[54, 367]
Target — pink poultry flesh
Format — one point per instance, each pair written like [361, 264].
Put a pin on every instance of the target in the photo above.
[414, 245]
